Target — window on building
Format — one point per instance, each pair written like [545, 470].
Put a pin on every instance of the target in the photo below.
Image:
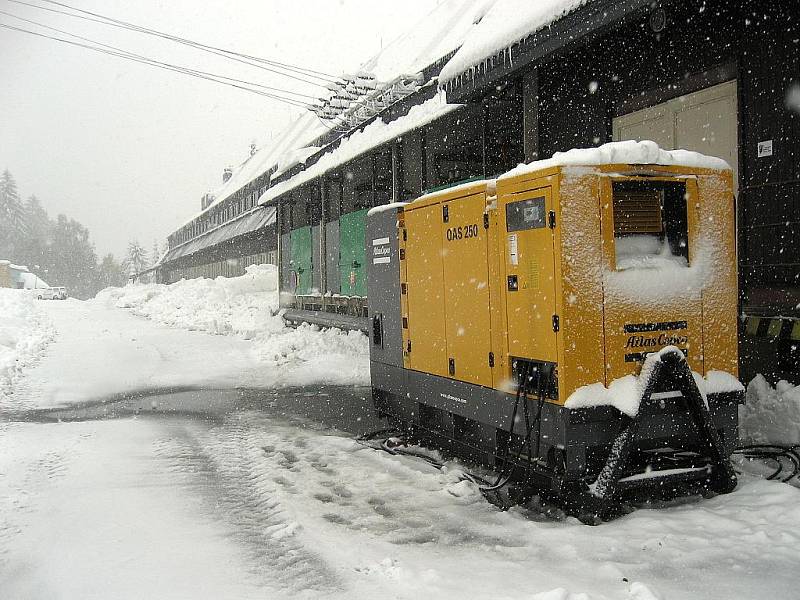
[454, 148]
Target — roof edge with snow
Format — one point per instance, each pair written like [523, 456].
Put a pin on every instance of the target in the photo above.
[474, 67]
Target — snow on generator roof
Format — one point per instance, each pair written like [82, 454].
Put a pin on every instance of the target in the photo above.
[623, 153]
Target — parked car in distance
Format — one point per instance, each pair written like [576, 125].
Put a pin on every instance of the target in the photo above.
[52, 293]
[45, 293]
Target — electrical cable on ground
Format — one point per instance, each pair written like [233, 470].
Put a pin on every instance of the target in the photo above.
[776, 453]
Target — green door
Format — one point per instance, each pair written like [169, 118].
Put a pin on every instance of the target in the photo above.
[352, 256]
[300, 264]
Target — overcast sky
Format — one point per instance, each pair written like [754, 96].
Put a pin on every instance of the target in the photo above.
[127, 149]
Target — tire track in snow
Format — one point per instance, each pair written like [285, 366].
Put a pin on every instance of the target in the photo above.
[19, 496]
[227, 476]
[327, 477]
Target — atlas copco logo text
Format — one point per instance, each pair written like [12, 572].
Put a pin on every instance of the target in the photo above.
[664, 339]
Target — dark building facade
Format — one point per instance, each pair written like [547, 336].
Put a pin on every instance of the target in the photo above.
[722, 78]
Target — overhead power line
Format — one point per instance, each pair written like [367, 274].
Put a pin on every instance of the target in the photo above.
[221, 79]
[154, 61]
[279, 68]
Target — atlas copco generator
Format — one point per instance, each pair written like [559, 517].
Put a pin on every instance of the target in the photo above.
[573, 326]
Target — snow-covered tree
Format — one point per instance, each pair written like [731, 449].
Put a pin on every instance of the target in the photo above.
[136, 260]
[155, 254]
[12, 216]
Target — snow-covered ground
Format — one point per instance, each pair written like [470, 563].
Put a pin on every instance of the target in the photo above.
[256, 505]
[77, 351]
[219, 493]
[25, 332]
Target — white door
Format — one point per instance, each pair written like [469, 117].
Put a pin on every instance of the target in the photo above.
[705, 121]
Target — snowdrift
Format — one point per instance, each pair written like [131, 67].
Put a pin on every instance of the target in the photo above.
[247, 307]
[770, 415]
[25, 331]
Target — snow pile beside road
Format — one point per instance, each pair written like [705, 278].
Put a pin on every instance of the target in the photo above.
[770, 415]
[25, 331]
[244, 306]
[247, 307]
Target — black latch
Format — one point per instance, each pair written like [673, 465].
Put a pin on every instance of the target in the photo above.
[451, 366]
[408, 347]
[403, 288]
[402, 253]
[405, 322]
[513, 284]
[486, 220]
[491, 359]
[556, 323]
[445, 213]
[405, 235]
[377, 330]
[551, 219]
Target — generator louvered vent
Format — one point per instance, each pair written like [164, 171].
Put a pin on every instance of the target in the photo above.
[637, 211]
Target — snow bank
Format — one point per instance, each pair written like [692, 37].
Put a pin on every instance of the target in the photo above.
[770, 415]
[244, 306]
[25, 331]
[625, 393]
[247, 307]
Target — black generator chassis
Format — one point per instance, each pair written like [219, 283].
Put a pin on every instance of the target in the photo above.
[586, 456]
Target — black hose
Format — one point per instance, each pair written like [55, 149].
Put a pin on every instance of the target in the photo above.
[774, 452]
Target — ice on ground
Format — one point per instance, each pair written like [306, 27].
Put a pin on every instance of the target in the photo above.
[770, 415]
[25, 332]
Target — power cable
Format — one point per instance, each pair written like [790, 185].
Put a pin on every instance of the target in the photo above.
[221, 79]
[139, 56]
[300, 73]
[775, 453]
[126, 24]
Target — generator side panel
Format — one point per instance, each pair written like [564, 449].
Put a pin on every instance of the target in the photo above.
[530, 277]
[425, 340]
[720, 294]
[466, 290]
[383, 288]
[580, 248]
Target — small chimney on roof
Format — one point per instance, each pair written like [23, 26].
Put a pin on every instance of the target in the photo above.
[227, 173]
[207, 200]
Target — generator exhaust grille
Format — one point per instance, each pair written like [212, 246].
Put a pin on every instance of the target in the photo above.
[637, 211]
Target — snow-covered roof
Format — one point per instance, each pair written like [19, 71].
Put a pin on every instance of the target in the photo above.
[248, 222]
[435, 36]
[376, 133]
[623, 153]
[505, 23]
[299, 134]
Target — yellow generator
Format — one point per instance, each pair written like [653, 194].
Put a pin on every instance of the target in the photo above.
[572, 324]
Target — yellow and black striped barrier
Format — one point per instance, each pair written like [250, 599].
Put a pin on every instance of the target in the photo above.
[774, 328]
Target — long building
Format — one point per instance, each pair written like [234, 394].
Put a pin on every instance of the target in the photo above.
[479, 87]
